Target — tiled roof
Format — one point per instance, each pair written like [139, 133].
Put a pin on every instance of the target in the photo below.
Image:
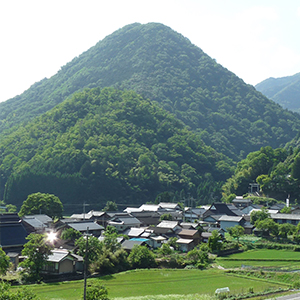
[129, 244]
[295, 217]
[57, 256]
[83, 226]
[42, 218]
[184, 241]
[135, 232]
[230, 218]
[188, 232]
[167, 224]
[12, 231]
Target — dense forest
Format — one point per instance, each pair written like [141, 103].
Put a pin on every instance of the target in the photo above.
[284, 91]
[162, 65]
[107, 144]
[277, 171]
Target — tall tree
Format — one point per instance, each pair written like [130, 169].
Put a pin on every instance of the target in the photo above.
[36, 250]
[40, 203]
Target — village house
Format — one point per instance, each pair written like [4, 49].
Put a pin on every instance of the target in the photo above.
[37, 223]
[219, 209]
[100, 217]
[128, 245]
[185, 245]
[61, 261]
[167, 228]
[285, 218]
[81, 226]
[231, 221]
[193, 214]
[123, 221]
[190, 234]
[147, 218]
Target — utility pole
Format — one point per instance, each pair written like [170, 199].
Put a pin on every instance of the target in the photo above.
[85, 262]
[84, 205]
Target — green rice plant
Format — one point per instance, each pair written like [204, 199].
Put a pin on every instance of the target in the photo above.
[169, 297]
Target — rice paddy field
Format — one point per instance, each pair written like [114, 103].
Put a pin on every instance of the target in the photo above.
[158, 284]
[264, 258]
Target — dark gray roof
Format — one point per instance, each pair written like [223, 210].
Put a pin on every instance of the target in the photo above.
[230, 218]
[245, 201]
[83, 226]
[279, 216]
[125, 219]
[223, 209]
[12, 231]
[42, 218]
[37, 221]
[188, 225]
[129, 244]
[278, 206]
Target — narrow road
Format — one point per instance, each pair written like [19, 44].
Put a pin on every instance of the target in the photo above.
[287, 297]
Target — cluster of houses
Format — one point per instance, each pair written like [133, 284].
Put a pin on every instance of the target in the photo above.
[147, 225]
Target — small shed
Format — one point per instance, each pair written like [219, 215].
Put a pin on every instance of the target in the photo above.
[185, 245]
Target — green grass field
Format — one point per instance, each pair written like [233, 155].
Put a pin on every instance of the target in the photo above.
[267, 258]
[156, 282]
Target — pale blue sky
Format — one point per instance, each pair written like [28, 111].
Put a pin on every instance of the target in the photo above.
[255, 39]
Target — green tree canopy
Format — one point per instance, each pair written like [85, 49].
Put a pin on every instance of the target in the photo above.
[286, 229]
[268, 226]
[70, 234]
[259, 215]
[236, 231]
[92, 245]
[40, 203]
[4, 262]
[215, 241]
[110, 206]
[141, 257]
[36, 250]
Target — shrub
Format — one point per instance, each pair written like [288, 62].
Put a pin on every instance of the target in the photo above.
[96, 292]
[141, 257]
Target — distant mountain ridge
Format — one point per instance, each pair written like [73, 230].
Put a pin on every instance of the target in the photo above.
[284, 91]
[162, 65]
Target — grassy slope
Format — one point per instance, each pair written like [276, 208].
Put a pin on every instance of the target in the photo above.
[157, 282]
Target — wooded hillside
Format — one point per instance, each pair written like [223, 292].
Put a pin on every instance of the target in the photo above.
[105, 145]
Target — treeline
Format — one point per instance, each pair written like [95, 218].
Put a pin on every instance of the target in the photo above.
[105, 145]
[167, 68]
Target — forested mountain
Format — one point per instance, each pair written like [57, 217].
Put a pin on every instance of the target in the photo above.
[284, 91]
[107, 144]
[166, 67]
